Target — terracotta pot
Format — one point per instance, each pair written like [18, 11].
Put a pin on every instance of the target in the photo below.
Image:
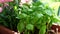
[54, 27]
[4, 30]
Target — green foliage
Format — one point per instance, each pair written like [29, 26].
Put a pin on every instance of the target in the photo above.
[21, 27]
[29, 27]
[27, 17]
[8, 16]
[35, 15]
[42, 29]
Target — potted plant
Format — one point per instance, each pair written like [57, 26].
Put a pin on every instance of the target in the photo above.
[28, 18]
[35, 18]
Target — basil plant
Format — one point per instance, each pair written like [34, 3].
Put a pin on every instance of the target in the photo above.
[35, 18]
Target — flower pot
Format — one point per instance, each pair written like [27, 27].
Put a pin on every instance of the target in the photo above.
[55, 28]
[4, 30]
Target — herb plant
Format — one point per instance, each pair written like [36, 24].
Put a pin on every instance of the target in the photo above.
[35, 18]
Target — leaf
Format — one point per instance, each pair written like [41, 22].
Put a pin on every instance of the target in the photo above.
[42, 29]
[23, 15]
[55, 19]
[29, 27]
[15, 8]
[39, 15]
[49, 12]
[37, 3]
[20, 27]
